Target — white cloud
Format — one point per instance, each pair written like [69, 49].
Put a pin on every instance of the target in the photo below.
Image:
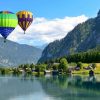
[44, 30]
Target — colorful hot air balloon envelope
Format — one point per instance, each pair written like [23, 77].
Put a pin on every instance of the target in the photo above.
[8, 22]
[25, 19]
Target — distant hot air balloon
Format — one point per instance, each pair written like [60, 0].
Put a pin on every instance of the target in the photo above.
[8, 22]
[25, 19]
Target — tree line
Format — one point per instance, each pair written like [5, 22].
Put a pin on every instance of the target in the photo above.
[85, 57]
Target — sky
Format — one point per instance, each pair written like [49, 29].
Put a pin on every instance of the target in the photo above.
[53, 19]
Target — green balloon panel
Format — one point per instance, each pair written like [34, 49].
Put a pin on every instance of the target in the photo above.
[8, 22]
[8, 16]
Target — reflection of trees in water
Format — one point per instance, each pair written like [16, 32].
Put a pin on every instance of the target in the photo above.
[90, 83]
[59, 81]
[55, 86]
[71, 88]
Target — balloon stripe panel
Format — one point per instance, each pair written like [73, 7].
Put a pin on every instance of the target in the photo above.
[20, 24]
[27, 24]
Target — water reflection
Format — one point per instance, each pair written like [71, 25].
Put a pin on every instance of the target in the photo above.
[73, 88]
[50, 88]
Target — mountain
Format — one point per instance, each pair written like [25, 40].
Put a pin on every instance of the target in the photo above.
[42, 46]
[83, 37]
[13, 54]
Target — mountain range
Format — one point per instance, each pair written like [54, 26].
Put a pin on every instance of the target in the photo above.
[84, 37]
[14, 54]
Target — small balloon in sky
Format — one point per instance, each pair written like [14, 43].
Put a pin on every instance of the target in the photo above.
[8, 22]
[25, 19]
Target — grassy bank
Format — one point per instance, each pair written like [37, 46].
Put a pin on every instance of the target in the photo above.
[84, 71]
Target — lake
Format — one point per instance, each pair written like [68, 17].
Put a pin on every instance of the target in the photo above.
[50, 87]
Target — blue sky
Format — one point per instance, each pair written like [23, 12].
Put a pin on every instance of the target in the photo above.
[53, 8]
[57, 16]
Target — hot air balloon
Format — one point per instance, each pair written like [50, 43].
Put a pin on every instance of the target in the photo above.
[8, 22]
[25, 19]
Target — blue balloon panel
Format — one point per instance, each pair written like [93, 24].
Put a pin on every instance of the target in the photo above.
[5, 31]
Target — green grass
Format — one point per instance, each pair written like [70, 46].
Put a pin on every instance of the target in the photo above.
[36, 73]
[72, 64]
[85, 64]
[80, 72]
[97, 70]
[83, 71]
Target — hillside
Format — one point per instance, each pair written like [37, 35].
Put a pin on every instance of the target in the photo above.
[83, 37]
[13, 54]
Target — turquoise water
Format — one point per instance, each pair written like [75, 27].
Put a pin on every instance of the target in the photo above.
[50, 88]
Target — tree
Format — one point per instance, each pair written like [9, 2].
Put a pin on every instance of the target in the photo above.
[43, 67]
[93, 65]
[37, 68]
[79, 64]
[21, 66]
[55, 66]
[63, 64]
[32, 66]
[40, 67]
